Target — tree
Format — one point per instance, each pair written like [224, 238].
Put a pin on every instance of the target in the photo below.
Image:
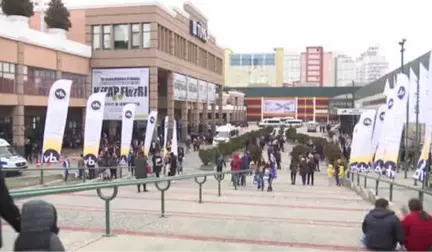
[57, 16]
[17, 8]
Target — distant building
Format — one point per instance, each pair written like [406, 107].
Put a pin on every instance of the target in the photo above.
[253, 69]
[345, 70]
[370, 66]
[291, 68]
[316, 66]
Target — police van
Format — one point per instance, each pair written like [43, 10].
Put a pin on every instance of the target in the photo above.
[10, 159]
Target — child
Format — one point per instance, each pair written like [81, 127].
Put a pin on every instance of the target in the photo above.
[341, 175]
[330, 173]
[39, 230]
[260, 175]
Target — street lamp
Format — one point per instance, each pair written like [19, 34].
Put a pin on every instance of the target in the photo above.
[402, 50]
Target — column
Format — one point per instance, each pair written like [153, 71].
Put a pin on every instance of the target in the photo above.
[195, 116]
[153, 96]
[220, 104]
[184, 120]
[170, 103]
[314, 109]
[213, 116]
[18, 112]
[205, 116]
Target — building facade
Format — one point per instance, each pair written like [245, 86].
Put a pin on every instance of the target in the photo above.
[254, 69]
[345, 70]
[370, 66]
[173, 44]
[316, 67]
[29, 64]
[292, 67]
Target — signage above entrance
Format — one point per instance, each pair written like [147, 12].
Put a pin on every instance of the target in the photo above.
[198, 30]
[350, 111]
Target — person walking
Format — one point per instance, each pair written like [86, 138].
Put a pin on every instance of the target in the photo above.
[81, 168]
[158, 162]
[141, 170]
[66, 167]
[311, 166]
[220, 163]
[8, 210]
[173, 165]
[235, 166]
[303, 168]
[330, 173]
[293, 170]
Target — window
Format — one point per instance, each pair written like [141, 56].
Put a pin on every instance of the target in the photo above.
[39, 81]
[269, 60]
[106, 36]
[79, 84]
[146, 35]
[96, 37]
[235, 60]
[7, 77]
[246, 60]
[135, 30]
[258, 60]
[121, 36]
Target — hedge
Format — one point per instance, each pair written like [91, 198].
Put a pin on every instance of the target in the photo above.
[328, 150]
[208, 156]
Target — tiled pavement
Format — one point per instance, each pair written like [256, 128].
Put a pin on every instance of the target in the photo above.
[295, 217]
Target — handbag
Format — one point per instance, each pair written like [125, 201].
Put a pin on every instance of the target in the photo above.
[149, 170]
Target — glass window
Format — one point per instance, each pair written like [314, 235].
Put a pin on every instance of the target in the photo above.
[79, 84]
[235, 60]
[106, 36]
[121, 36]
[269, 60]
[39, 81]
[146, 35]
[96, 37]
[258, 60]
[246, 59]
[7, 77]
[135, 30]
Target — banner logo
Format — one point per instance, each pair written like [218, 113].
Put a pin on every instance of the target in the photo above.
[381, 116]
[90, 160]
[152, 120]
[50, 156]
[390, 103]
[401, 93]
[96, 105]
[60, 93]
[128, 114]
[367, 121]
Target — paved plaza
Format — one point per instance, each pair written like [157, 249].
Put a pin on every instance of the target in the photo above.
[293, 217]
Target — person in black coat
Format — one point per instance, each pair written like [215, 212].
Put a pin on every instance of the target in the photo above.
[173, 164]
[8, 210]
[382, 229]
[141, 169]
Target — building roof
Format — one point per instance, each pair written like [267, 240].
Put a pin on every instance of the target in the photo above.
[377, 86]
[294, 91]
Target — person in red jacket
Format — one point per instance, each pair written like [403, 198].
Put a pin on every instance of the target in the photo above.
[235, 166]
[418, 228]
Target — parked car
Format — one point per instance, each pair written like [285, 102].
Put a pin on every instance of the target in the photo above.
[312, 126]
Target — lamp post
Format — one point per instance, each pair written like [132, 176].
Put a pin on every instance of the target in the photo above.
[402, 50]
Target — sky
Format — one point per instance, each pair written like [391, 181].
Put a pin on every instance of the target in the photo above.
[342, 26]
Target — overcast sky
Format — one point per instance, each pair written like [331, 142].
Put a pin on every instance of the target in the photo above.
[343, 26]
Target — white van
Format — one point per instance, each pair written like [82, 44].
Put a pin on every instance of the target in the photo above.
[10, 159]
[271, 122]
[296, 123]
[224, 134]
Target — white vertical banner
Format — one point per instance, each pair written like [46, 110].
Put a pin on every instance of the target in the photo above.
[93, 127]
[412, 97]
[394, 129]
[363, 143]
[127, 130]
[296, 111]
[379, 122]
[55, 121]
[314, 108]
[174, 144]
[166, 121]
[426, 106]
[423, 94]
[151, 125]
[354, 148]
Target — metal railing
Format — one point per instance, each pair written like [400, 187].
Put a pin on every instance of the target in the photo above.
[42, 171]
[393, 191]
[162, 184]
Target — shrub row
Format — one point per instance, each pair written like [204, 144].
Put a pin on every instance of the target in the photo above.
[208, 156]
[328, 150]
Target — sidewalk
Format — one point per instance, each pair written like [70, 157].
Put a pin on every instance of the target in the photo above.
[293, 217]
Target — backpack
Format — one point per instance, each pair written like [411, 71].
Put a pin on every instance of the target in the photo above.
[158, 161]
